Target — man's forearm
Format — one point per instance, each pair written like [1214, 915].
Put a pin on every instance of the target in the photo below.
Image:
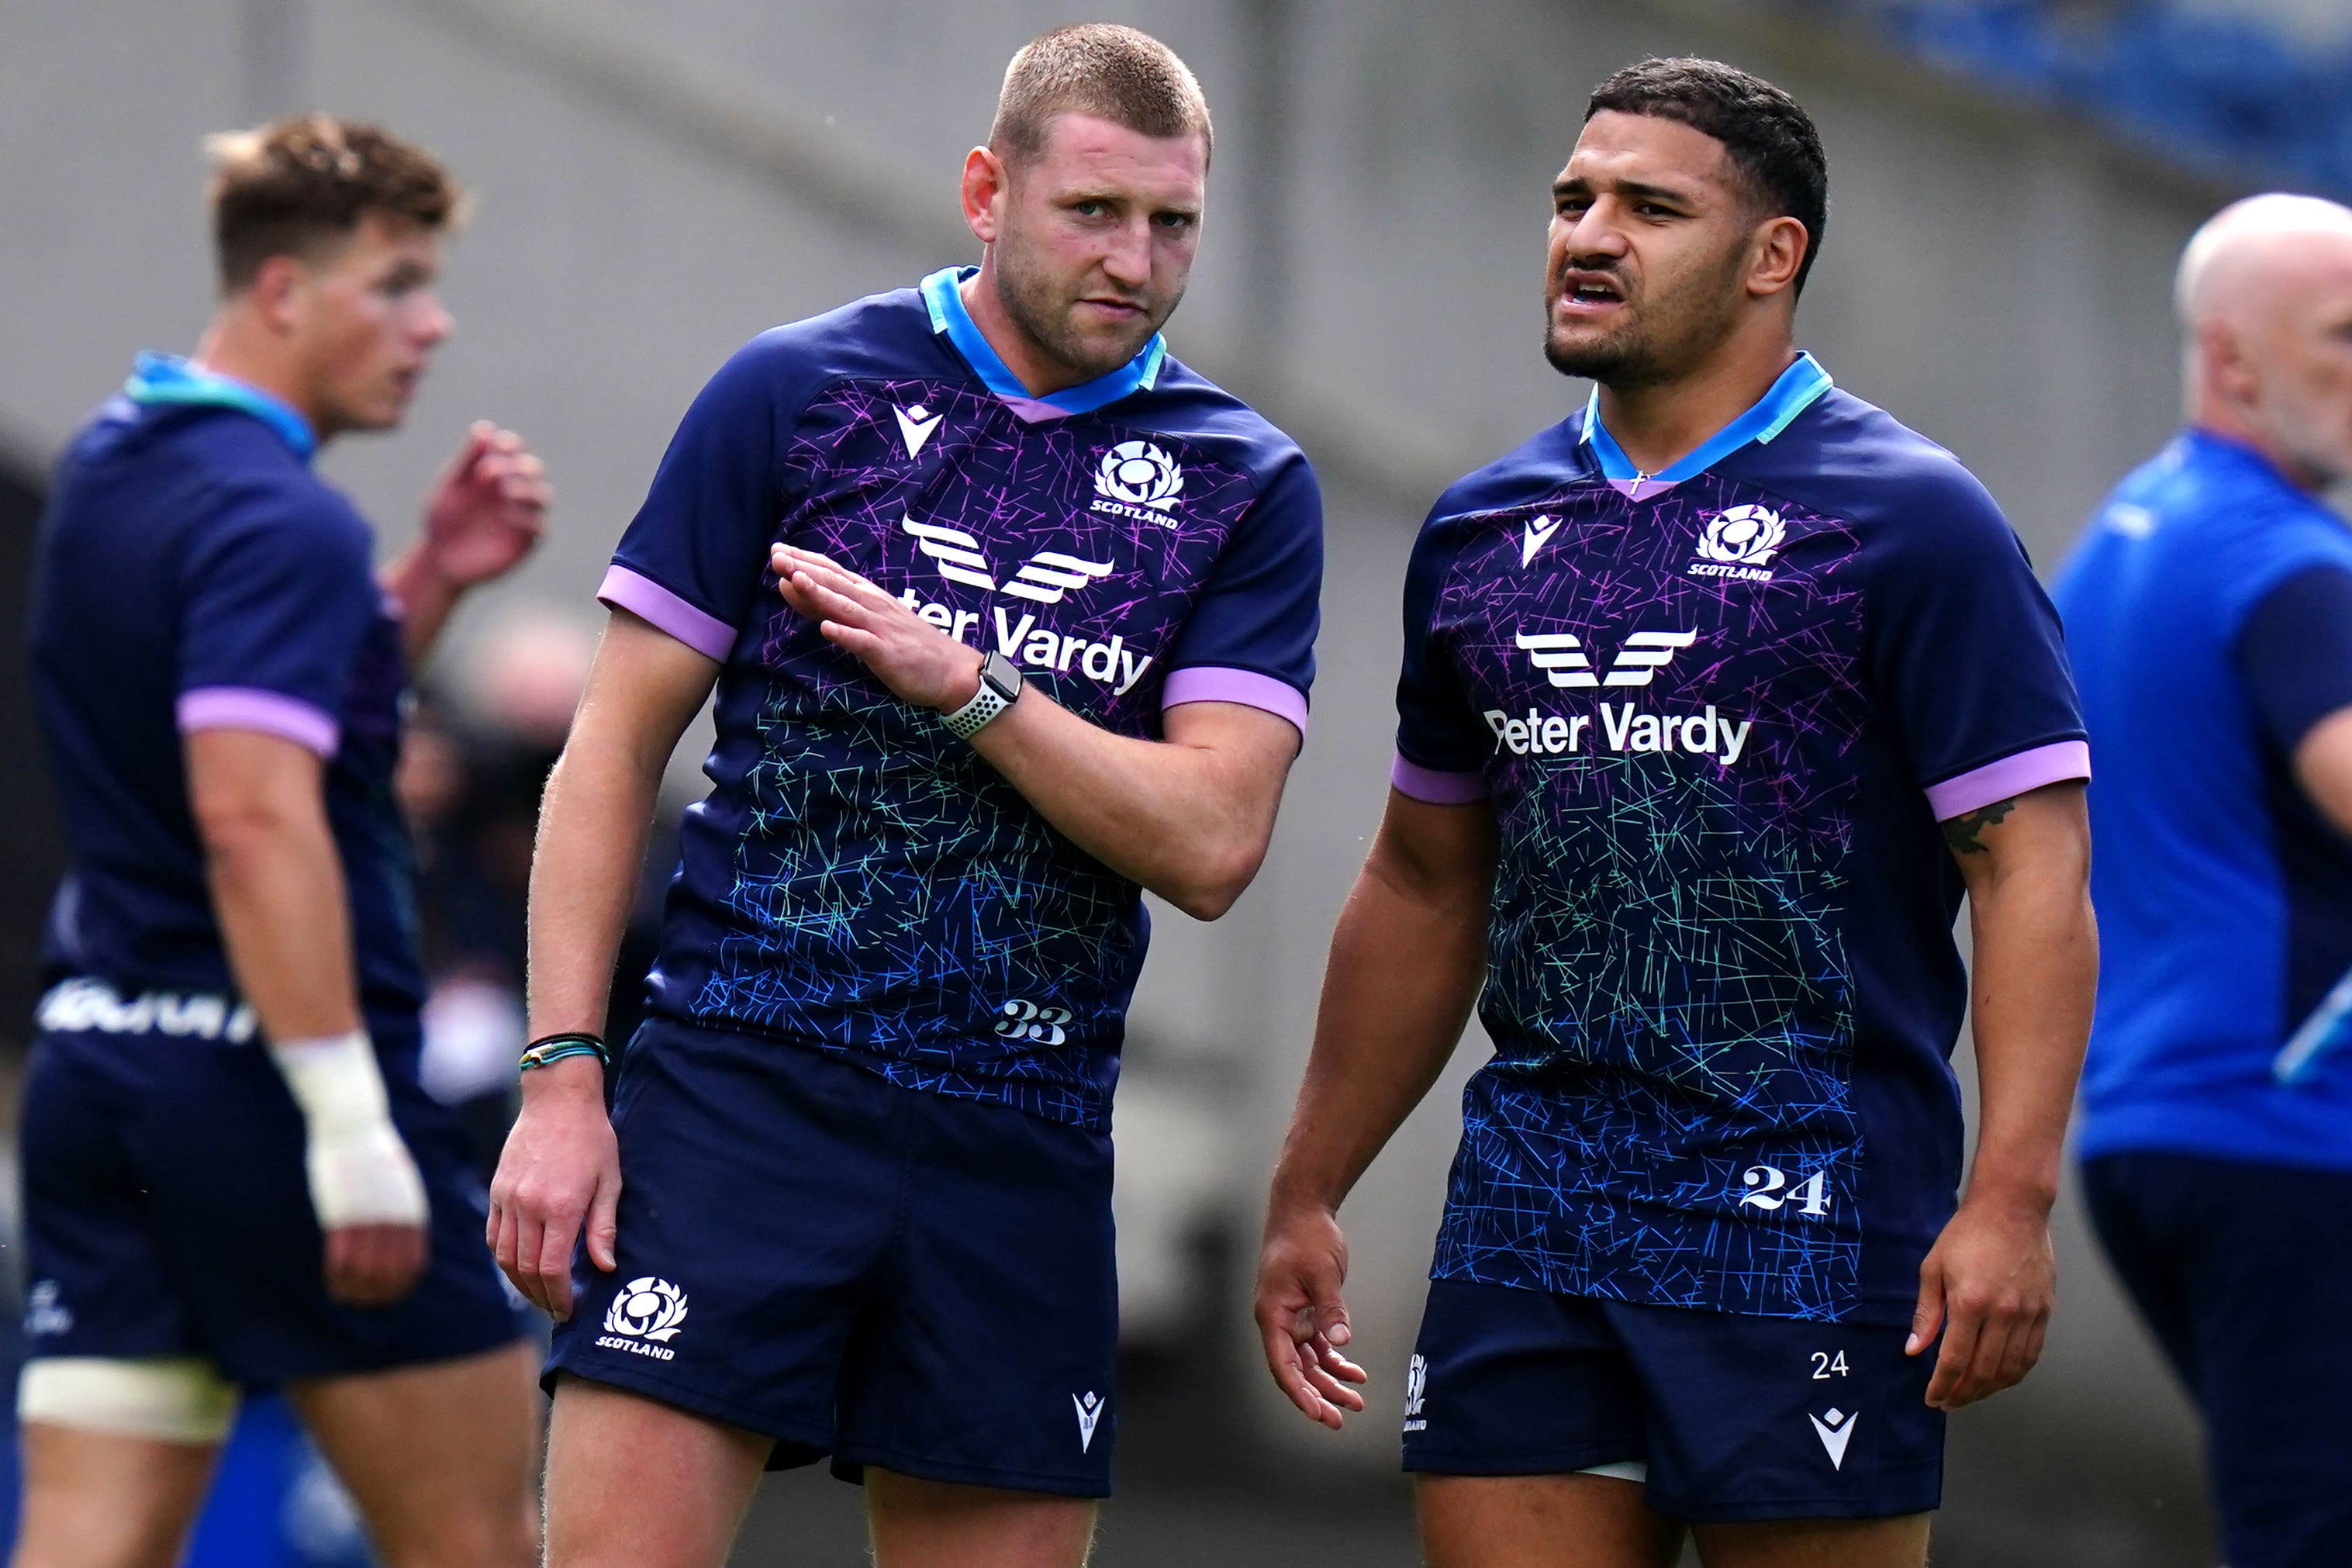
[426, 598]
[594, 824]
[2036, 971]
[1188, 821]
[277, 891]
[1403, 975]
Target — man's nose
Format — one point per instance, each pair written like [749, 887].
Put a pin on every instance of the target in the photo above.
[1596, 233]
[1128, 259]
[434, 323]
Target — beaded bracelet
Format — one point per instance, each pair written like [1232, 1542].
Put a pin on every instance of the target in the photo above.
[555, 1047]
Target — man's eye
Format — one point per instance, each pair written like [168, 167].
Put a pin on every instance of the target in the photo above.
[1087, 209]
[1178, 221]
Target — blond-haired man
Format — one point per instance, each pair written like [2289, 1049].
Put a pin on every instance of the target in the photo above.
[231, 1175]
[1010, 617]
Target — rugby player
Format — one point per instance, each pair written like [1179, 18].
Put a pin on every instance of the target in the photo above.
[231, 1175]
[2209, 607]
[1011, 617]
[1692, 680]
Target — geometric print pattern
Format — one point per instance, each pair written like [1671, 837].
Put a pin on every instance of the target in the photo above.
[1668, 1117]
[891, 897]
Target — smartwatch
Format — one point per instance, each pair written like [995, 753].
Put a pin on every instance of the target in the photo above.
[1000, 686]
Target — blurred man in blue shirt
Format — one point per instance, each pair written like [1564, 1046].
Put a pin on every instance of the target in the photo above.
[2210, 610]
[232, 1175]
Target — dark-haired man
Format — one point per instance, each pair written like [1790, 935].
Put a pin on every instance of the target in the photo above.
[1042, 640]
[231, 1175]
[1691, 682]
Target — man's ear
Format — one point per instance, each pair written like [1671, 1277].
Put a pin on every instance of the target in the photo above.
[1779, 253]
[986, 181]
[276, 292]
[2229, 368]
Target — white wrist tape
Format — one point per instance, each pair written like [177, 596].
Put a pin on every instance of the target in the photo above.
[360, 1171]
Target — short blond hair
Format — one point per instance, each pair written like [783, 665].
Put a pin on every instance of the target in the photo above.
[1114, 73]
[290, 188]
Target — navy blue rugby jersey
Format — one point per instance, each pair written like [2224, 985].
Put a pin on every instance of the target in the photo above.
[192, 572]
[1718, 712]
[858, 880]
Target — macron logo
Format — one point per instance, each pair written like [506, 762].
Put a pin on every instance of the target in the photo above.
[1833, 1429]
[1090, 1408]
[915, 425]
[1539, 534]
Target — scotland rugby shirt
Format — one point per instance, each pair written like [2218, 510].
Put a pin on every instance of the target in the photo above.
[193, 573]
[858, 880]
[1718, 712]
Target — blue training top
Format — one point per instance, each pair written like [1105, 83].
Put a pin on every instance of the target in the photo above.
[858, 880]
[192, 573]
[2210, 608]
[1718, 712]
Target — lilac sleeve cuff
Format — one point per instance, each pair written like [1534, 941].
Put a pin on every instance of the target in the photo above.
[1214, 683]
[306, 724]
[658, 607]
[1434, 787]
[2010, 777]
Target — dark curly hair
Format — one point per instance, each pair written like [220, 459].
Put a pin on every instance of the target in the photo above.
[1769, 137]
[291, 188]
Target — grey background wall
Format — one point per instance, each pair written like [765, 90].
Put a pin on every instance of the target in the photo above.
[660, 181]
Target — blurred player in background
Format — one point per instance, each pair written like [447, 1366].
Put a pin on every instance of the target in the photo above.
[1011, 617]
[2210, 608]
[231, 1175]
[1716, 696]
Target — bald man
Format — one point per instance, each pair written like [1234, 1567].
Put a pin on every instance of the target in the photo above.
[2209, 614]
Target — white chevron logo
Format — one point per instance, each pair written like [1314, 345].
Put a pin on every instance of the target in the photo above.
[1834, 1428]
[1643, 655]
[1560, 657]
[956, 552]
[1049, 574]
[1090, 1407]
[915, 427]
[1539, 533]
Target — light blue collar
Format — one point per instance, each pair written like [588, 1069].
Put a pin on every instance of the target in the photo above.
[948, 316]
[1796, 390]
[168, 378]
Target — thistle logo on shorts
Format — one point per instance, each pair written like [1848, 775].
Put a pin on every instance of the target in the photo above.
[1417, 1388]
[1090, 1407]
[645, 1310]
[1137, 480]
[1833, 1428]
[1739, 541]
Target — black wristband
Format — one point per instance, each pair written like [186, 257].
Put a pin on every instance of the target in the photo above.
[555, 1047]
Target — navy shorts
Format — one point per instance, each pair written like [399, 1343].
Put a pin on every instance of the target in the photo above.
[2242, 1271]
[167, 1213]
[884, 1275]
[1733, 1418]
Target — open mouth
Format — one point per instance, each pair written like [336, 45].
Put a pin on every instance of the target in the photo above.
[1584, 293]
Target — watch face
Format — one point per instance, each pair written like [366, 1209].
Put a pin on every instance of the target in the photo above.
[1003, 674]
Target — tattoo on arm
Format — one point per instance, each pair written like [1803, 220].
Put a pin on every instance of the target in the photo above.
[1962, 832]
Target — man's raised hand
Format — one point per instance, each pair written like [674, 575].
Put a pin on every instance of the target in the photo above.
[914, 659]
